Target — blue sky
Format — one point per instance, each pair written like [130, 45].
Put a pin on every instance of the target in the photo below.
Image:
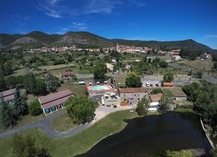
[164, 20]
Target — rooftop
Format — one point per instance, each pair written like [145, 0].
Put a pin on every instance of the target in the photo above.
[155, 97]
[133, 90]
[54, 96]
[178, 92]
[167, 83]
[7, 92]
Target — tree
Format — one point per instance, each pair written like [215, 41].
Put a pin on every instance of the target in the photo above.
[168, 77]
[163, 107]
[52, 83]
[99, 70]
[80, 109]
[8, 115]
[133, 80]
[163, 64]
[35, 108]
[215, 65]
[156, 61]
[182, 153]
[2, 80]
[142, 107]
[40, 87]
[29, 82]
[20, 103]
[156, 91]
[26, 147]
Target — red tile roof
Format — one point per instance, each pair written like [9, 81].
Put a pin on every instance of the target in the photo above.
[54, 96]
[133, 90]
[167, 83]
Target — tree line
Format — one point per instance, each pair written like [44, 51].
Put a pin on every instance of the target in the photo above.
[204, 97]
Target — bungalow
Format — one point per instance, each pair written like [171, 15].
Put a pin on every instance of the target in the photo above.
[110, 99]
[54, 101]
[154, 101]
[132, 95]
[66, 75]
[8, 95]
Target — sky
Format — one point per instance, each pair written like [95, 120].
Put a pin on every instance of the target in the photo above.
[162, 20]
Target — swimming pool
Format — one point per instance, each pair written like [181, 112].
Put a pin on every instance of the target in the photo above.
[96, 88]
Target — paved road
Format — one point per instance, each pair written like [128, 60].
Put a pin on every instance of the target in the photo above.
[45, 124]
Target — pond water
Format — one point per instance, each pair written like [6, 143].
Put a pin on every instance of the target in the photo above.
[151, 136]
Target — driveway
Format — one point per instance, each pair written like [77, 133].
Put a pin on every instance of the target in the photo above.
[45, 124]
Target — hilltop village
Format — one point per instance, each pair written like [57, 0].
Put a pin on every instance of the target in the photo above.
[69, 89]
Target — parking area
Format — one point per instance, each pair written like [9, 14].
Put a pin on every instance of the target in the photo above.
[152, 80]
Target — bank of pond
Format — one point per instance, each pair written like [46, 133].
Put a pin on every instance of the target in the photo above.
[153, 135]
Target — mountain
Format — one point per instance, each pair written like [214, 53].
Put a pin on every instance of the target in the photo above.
[167, 45]
[38, 39]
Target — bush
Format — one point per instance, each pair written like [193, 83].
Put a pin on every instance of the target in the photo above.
[35, 108]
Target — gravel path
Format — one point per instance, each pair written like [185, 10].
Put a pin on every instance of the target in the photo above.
[45, 124]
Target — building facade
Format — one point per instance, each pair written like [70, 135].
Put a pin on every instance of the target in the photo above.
[110, 99]
[54, 101]
[132, 95]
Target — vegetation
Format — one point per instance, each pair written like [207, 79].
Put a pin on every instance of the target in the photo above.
[204, 98]
[163, 107]
[99, 70]
[142, 107]
[63, 123]
[168, 77]
[35, 108]
[81, 142]
[133, 80]
[12, 112]
[52, 83]
[80, 109]
[156, 91]
[26, 147]
[182, 153]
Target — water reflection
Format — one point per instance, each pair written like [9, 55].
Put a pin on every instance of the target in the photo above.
[152, 135]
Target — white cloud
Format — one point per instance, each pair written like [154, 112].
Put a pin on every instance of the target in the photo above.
[79, 26]
[101, 6]
[58, 9]
[211, 36]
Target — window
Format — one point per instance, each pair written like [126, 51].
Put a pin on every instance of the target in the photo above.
[138, 98]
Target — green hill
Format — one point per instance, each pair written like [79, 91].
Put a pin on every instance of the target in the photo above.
[38, 39]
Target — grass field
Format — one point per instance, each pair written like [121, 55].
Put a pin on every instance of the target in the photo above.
[78, 143]
[54, 67]
[77, 89]
[25, 120]
[199, 64]
[63, 123]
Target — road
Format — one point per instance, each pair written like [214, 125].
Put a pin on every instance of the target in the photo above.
[45, 124]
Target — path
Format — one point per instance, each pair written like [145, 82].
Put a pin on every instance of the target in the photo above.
[45, 124]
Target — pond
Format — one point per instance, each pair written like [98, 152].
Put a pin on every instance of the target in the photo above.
[151, 136]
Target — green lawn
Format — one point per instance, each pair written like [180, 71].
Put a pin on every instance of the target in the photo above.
[79, 90]
[25, 120]
[63, 123]
[78, 143]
